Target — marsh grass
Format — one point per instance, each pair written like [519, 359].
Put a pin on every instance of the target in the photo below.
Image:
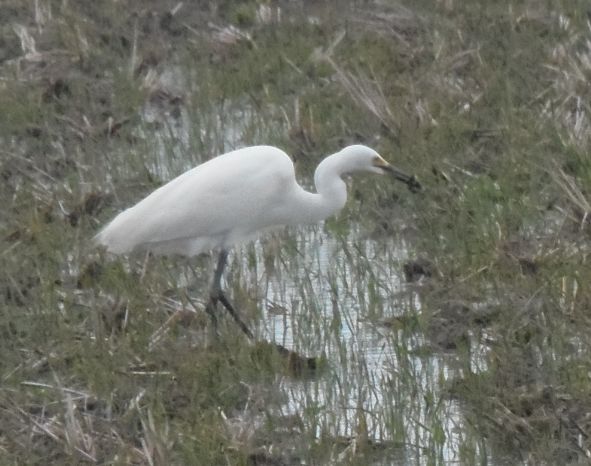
[478, 355]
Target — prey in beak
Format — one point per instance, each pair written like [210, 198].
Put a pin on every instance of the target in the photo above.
[411, 181]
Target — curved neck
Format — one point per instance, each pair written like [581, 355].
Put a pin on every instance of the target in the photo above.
[331, 192]
[329, 182]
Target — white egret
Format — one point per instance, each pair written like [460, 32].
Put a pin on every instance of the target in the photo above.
[231, 199]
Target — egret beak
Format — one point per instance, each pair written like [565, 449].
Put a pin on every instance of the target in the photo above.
[410, 181]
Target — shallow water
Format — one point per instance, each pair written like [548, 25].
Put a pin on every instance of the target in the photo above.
[329, 295]
[329, 298]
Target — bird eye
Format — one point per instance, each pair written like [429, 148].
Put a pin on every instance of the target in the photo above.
[380, 163]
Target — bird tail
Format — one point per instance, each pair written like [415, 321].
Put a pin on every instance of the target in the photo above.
[116, 237]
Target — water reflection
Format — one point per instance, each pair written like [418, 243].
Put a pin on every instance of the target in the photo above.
[328, 298]
[327, 295]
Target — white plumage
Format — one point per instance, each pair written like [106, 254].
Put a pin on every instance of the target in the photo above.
[233, 197]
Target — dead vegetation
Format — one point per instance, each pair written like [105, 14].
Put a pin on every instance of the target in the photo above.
[105, 363]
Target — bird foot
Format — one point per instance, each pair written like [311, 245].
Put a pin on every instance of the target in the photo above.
[413, 185]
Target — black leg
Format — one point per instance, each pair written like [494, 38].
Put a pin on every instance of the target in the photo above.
[228, 305]
[216, 294]
[216, 286]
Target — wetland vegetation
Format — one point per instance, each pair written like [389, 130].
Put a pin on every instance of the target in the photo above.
[449, 327]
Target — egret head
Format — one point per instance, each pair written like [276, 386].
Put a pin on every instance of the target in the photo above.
[363, 158]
